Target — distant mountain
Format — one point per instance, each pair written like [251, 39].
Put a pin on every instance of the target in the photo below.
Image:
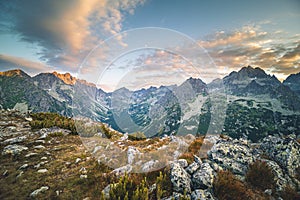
[293, 82]
[17, 87]
[238, 82]
[257, 103]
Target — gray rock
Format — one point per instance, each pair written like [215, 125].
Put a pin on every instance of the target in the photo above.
[132, 153]
[77, 160]
[281, 179]
[83, 176]
[15, 140]
[13, 149]
[42, 170]
[201, 195]
[192, 168]
[180, 179]
[285, 151]
[182, 162]
[122, 170]
[23, 166]
[149, 166]
[176, 196]
[30, 154]
[38, 191]
[204, 177]
[39, 147]
[233, 155]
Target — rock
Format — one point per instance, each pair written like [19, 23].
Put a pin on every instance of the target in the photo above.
[149, 166]
[268, 192]
[232, 155]
[284, 151]
[30, 154]
[106, 191]
[20, 174]
[14, 140]
[197, 159]
[77, 160]
[83, 176]
[13, 149]
[132, 152]
[182, 162]
[44, 158]
[204, 177]
[23, 166]
[201, 195]
[28, 119]
[5, 173]
[40, 141]
[176, 196]
[281, 179]
[180, 179]
[83, 170]
[38, 191]
[122, 170]
[192, 168]
[39, 147]
[42, 170]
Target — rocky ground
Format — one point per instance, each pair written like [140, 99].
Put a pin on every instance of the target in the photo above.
[50, 163]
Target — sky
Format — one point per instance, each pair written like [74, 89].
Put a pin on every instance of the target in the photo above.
[89, 37]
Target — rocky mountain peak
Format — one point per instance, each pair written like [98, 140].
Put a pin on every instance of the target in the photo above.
[253, 72]
[66, 78]
[15, 72]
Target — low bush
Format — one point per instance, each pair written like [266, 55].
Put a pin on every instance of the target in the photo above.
[260, 176]
[227, 187]
[48, 120]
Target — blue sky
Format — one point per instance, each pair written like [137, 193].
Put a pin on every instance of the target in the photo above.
[45, 35]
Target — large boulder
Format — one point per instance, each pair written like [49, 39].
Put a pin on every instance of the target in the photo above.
[234, 155]
[284, 151]
[180, 179]
[204, 177]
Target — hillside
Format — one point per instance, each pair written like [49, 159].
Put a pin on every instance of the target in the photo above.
[52, 163]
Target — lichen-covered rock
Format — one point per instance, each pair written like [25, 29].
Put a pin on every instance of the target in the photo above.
[203, 178]
[192, 168]
[281, 179]
[13, 149]
[284, 151]
[182, 162]
[233, 155]
[180, 179]
[201, 195]
[132, 154]
[14, 140]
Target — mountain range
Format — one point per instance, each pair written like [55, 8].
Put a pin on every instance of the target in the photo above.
[257, 104]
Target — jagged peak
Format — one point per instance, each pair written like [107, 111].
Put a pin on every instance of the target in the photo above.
[14, 72]
[66, 78]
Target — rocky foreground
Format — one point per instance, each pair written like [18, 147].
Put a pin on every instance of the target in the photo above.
[51, 163]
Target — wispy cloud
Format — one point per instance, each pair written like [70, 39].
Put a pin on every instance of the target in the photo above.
[10, 62]
[275, 52]
[66, 30]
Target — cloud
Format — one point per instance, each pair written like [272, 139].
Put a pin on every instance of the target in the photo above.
[251, 45]
[9, 62]
[66, 30]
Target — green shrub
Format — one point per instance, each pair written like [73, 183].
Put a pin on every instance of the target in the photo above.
[48, 120]
[260, 176]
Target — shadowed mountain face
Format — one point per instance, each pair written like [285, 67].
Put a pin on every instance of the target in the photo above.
[258, 104]
[293, 82]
